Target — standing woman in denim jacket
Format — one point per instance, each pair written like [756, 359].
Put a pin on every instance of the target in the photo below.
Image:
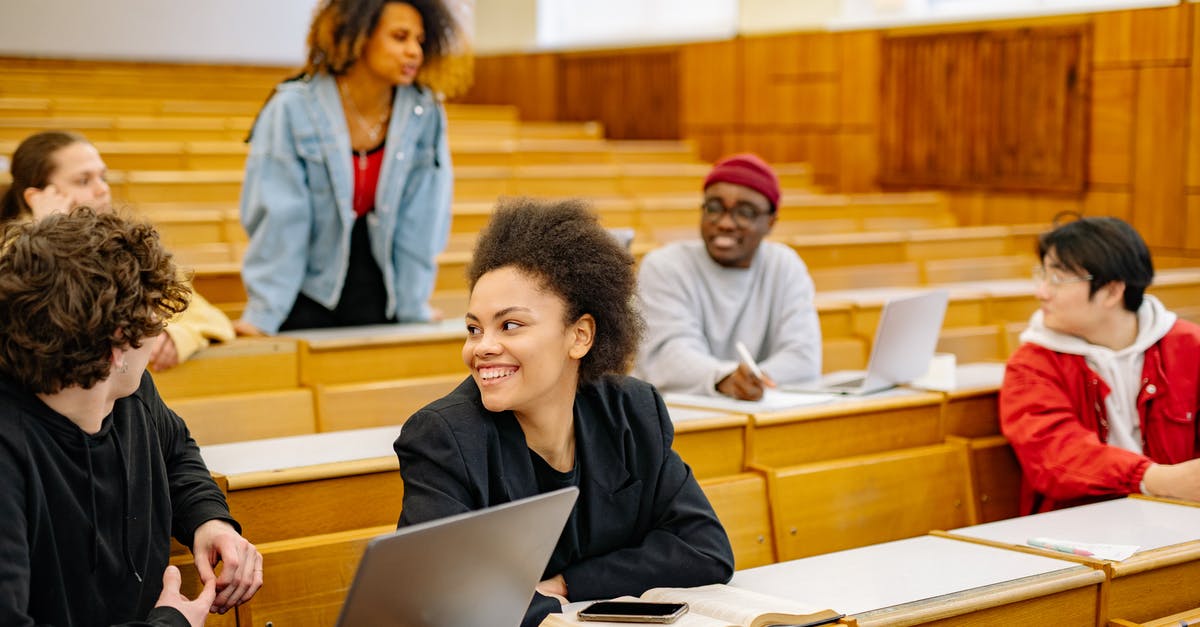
[348, 182]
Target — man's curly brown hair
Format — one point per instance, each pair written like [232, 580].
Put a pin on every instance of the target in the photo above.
[74, 286]
[562, 244]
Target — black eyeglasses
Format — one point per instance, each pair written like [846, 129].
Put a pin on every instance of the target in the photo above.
[744, 214]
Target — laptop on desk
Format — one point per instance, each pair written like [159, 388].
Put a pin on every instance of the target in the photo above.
[904, 343]
[475, 569]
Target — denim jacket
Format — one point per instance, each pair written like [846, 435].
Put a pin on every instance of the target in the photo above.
[297, 202]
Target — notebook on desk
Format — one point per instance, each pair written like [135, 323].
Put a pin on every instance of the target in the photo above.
[904, 343]
[475, 569]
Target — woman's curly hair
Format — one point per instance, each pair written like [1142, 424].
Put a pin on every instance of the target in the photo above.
[73, 287]
[562, 244]
[340, 29]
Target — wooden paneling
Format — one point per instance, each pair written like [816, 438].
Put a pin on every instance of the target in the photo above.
[790, 80]
[858, 162]
[1112, 126]
[859, 78]
[709, 84]
[529, 81]
[990, 109]
[634, 93]
[1193, 158]
[1115, 204]
[1147, 35]
[1159, 153]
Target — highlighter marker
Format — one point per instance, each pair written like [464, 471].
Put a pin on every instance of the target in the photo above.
[1042, 543]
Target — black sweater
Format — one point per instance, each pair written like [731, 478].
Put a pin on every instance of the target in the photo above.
[86, 520]
[641, 520]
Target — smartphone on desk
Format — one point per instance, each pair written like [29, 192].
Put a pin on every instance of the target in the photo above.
[633, 612]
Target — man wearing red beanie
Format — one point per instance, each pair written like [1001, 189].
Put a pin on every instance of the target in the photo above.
[702, 298]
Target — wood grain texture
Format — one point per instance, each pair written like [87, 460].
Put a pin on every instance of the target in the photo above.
[1159, 155]
[996, 110]
[1143, 36]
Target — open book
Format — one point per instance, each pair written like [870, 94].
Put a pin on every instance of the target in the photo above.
[719, 605]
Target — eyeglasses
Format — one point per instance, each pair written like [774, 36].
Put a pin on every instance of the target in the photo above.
[744, 214]
[1054, 279]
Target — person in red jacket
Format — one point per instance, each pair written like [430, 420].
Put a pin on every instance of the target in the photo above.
[1100, 400]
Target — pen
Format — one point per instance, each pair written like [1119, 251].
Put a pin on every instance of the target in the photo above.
[749, 361]
[1044, 543]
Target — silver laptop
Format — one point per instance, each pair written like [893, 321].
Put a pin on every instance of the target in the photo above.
[475, 569]
[904, 343]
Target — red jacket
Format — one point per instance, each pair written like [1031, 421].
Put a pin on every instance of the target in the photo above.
[1052, 412]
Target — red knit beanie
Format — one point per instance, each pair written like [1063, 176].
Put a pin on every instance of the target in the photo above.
[748, 170]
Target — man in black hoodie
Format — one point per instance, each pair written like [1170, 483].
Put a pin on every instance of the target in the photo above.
[98, 473]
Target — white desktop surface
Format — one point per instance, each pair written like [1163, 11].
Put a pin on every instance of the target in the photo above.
[298, 451]
[1147, 524]
[894, 573]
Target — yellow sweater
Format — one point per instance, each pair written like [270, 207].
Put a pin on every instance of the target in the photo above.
[198, 326]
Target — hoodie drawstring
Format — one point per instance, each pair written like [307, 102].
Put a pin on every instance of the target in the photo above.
[125, 507]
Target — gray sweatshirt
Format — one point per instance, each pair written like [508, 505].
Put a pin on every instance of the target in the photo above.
[697, 310]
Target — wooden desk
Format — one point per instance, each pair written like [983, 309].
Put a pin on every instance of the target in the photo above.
[311, 484]
[712, 442]
[971, 409]
[936, 581]
[380, 352]
[1158, 580]
[971, 416]
[243, 365]
[847, 426]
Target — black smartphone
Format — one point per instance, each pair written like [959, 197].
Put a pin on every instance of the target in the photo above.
[633, 612]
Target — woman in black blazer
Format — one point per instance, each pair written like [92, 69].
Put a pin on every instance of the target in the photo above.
[550, 325]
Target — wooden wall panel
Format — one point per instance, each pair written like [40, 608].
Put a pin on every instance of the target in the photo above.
[997, 110]
[710, 84]
[1159, 155]
[1140, 36]
[1103, 203]
[634, 93]
[1111, 156]
[1193, 159]
[790, 80]
[858, 54]
[858, 162]
[528, 81]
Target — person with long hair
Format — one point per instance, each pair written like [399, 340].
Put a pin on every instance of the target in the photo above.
[551, 328]
[98, 473]
[346, 197]
[55, 171]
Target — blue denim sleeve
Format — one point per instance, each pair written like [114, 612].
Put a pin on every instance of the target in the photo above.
[276, 211]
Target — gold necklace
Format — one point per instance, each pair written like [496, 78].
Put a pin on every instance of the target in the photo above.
[372, 130]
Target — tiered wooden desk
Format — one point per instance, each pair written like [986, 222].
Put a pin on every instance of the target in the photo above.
[372, 353]
[1160, 579]
[930, 580]
[313, 484]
